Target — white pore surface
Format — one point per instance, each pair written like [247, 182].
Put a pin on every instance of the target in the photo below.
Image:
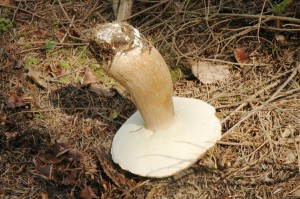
[165, 152]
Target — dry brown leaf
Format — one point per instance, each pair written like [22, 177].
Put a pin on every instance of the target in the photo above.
[60, 35]
[55, 70]
[49, 158]
[101, 90]
[87, 193]
[87, 129]
[70, 178]
[7, 2]
[297, 193]
[21, 169]
[89, 77]
[36, 77]
[10, 135]
[75, 155]
[17, 64]
[23, 16]
[45, 171]
[15, 101]
[60, 148]
[241, 55]
[209, 73]
[116, 175]
[3, 118]
[44, 196]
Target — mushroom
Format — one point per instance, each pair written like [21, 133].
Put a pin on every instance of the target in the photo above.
[167, 134]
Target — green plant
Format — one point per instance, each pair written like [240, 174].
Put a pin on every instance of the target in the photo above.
[5, 25]
[39, 116]
[98, 71]
[49, 46]
[31, 61]
[65, 80]
[65, 65]
[5, 10]
[280, 8]
[175, 74]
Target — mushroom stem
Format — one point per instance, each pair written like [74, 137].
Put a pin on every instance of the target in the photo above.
[140, 68]
[146, 76]
[149, 82]
[122, 9]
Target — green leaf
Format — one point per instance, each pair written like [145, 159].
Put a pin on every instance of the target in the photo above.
[49, 46]
[114, 114]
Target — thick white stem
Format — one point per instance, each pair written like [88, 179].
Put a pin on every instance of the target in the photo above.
[122, 9]
[146, 76]
[140, 69]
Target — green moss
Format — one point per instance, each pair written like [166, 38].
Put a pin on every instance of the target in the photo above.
[100, 73]
[5, 10]
[114, 114]
[83, 54]
[65, 65]
[31, 61]
[39, 116]
[175, 74]
[65, 80]
[49, 46]
[5, 25]
[279, 9]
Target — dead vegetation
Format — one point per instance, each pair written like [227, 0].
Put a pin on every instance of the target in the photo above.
[43, 103]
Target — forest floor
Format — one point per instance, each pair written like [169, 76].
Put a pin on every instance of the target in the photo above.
[55, 132]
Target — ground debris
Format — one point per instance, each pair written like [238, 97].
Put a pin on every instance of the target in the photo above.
[115, 174]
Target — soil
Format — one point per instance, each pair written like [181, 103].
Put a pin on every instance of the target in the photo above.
[55, 131]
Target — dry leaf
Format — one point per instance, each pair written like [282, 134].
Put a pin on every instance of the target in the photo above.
[44, 196]
[3, 118]
[10, 135]
[36, 77]
[60, 148]
[45, 171]
[23, 16]
[87, 193]
[55, 70]
[89, 77]
[101, 90]
[21, 169]
[241, 56]
[49, 158]
[15, 101]
[75, 155]
[87, 129]
[116, 175]
[17, 64]
[288, 131]
[209, 73]
[60, 35]
[280, 38]
[70, 179]
[7, 2]
[297, 193]
[290, 157]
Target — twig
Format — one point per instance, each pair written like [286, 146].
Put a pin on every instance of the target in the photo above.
[249, 99]
[69, 19]
[259, 21]
[268, 17]
[145, 10]
[14, 7]
[255, 110]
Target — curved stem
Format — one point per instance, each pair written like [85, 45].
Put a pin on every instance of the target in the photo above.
[144, 73]
[146, 76]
